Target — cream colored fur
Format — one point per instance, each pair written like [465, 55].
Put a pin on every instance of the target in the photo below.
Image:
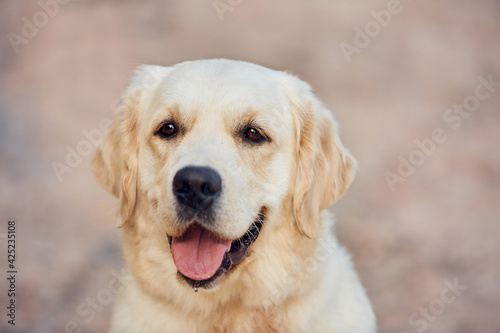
[296, 277]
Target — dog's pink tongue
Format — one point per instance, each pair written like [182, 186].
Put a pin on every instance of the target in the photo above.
[198, 254]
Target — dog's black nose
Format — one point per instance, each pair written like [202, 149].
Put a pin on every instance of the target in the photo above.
[197, 187]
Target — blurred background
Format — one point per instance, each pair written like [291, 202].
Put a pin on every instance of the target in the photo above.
[415, 86]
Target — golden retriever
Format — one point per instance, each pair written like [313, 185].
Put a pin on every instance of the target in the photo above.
[223, 170]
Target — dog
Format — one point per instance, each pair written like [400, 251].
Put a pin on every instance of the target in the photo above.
[224, 170]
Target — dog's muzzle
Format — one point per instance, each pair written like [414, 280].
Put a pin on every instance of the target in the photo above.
[201, 255]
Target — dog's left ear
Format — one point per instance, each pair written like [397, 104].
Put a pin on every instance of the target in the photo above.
[324, 169]
[115, 161]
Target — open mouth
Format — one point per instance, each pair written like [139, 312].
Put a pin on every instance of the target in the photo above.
[201, 257]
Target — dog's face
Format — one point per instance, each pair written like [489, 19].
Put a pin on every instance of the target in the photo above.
[208, 174]
[212, 159]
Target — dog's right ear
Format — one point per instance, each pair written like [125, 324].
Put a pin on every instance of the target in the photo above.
[324, 167]
[115, 160]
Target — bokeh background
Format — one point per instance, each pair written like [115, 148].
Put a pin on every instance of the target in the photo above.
[437, 225]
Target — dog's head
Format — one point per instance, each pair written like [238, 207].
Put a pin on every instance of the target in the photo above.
[208, 158]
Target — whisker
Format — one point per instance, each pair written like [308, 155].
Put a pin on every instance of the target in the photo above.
[160, 227]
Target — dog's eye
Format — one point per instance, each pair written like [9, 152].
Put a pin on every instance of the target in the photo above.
[167, 130]
[254, 135]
